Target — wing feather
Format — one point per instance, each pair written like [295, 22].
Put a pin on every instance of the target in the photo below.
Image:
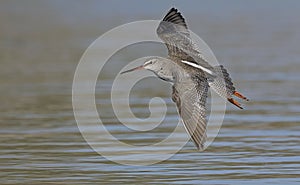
[190, 97]
[174, 33]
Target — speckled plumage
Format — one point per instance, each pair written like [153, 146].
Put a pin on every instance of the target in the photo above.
[190, 74]
[190, 91]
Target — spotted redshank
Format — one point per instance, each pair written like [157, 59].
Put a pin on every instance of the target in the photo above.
[190, 74]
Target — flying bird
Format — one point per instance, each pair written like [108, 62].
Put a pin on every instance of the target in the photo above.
[190, 74]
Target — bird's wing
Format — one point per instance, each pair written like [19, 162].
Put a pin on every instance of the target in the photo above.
[174, 32]
[190, 97]
[174, 16]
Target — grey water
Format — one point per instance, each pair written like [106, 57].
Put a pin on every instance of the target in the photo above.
[41, 43]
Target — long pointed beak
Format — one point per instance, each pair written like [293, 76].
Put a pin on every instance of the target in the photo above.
[134, 69]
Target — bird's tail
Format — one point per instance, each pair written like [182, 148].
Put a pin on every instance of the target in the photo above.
[223, 86]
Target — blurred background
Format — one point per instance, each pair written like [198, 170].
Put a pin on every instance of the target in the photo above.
[41, 43]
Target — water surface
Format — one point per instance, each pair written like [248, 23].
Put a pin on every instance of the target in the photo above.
[41, 44]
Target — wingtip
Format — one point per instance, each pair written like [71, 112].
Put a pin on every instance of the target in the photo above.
[200, 149]
[200, 145]
[174, 9]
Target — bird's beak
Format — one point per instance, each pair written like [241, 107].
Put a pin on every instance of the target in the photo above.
[134, 69]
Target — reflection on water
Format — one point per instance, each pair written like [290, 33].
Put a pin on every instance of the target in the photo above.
[39, 138]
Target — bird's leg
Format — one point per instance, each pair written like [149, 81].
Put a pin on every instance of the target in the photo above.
[234, 102]
[239, 95]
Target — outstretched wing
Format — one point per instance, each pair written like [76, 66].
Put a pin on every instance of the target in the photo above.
[190, 97]
[174, 32]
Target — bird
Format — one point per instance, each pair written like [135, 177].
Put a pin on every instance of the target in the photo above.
[190, 75]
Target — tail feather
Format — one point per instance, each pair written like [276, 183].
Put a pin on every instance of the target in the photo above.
[223, 79]
[222, 85]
